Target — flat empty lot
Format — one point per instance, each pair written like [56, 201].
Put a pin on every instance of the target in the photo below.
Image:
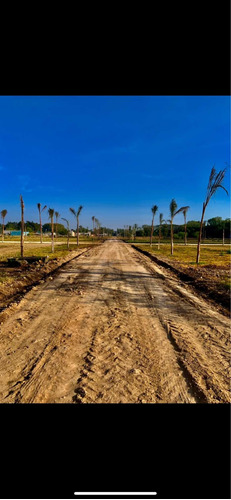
[113, 327]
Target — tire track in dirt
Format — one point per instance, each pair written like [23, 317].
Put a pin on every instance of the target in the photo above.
[111, 327]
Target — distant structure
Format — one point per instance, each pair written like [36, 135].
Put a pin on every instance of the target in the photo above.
[17, 233]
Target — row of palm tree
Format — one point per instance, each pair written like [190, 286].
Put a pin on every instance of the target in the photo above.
[173, 213]
[215, 182]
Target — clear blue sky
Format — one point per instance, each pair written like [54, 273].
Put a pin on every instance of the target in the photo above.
[115, 155]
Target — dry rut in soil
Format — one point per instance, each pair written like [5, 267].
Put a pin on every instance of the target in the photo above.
[112, 327]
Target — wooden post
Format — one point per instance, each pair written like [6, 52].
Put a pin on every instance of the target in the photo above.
[22, 226]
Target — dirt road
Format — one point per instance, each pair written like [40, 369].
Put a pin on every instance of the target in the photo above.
[112, 327]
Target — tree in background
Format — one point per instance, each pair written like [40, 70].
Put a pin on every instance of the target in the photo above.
[57, 215]
[68, 231]
[93, 221]
[77, 214]
[3, 214]
[173, 212]
[161, 220]
[40, 220]
[215, 182]
[185, 224]
[154, 210]
[51, 216]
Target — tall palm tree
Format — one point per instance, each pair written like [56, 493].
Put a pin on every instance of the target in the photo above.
[93, 220]
[77, 214]
[173, 212]
[51, 216]
[68, 231]
[185, 224]
[57, 215]
[161, 220]
[3, 214]
[22, 226]
[215, 182]
[40, 220]
[154, 210]
[97, 223]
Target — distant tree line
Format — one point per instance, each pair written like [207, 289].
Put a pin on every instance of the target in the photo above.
[34, 227]
[212, 228]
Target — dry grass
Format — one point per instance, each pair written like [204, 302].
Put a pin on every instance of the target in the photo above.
[38, 250]
[186, 255]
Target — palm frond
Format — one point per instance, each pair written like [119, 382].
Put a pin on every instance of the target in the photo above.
[215, 182]
[181, 210]
[67, 222]
[72, 210]
[44, 208]
[154, 209]
[51, 212]
[3, 213]
[79, 210]
[173, 207]
[161, 219]
[39, 206]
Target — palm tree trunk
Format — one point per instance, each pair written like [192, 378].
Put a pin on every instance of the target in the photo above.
[159, 238]
[185, 234]
[52, 236]
[151, 234]
[77, 231]
[171, 239]
[68, 240]
[200, 234]
[223, 237]
[3, 229]
[41, 236]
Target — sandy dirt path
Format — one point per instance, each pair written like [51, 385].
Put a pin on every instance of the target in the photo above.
[112, 327]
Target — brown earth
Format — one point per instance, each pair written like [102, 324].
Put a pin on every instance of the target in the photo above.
[113, 327]
[209, 279]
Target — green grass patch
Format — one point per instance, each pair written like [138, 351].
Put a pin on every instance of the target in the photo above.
[186, 255]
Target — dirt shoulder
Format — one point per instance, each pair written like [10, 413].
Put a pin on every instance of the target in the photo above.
[207, 280]
[22, 276]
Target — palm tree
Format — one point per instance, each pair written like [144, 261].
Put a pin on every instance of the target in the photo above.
[97, 223]
[161, 220]
[51, 216]
[93, 220]
[68, 231]
[185, 224]
[173, 212]
[57, 215]
[154, 210]
[40, 219]
[76, 214]
[22, 226]
[215, 182]
[3, 214]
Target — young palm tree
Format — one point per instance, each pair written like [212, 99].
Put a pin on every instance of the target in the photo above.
[40, 220]
[161, 220]
[76, 214]
[185, 224]
[57, 215]
[215, 182]
[154, 210]
[93, 220]
[22, 226]
[3, 214]
[51, 216]
[68, 231]
[173, 212]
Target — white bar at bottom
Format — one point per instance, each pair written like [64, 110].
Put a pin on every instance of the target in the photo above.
[122, 493]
